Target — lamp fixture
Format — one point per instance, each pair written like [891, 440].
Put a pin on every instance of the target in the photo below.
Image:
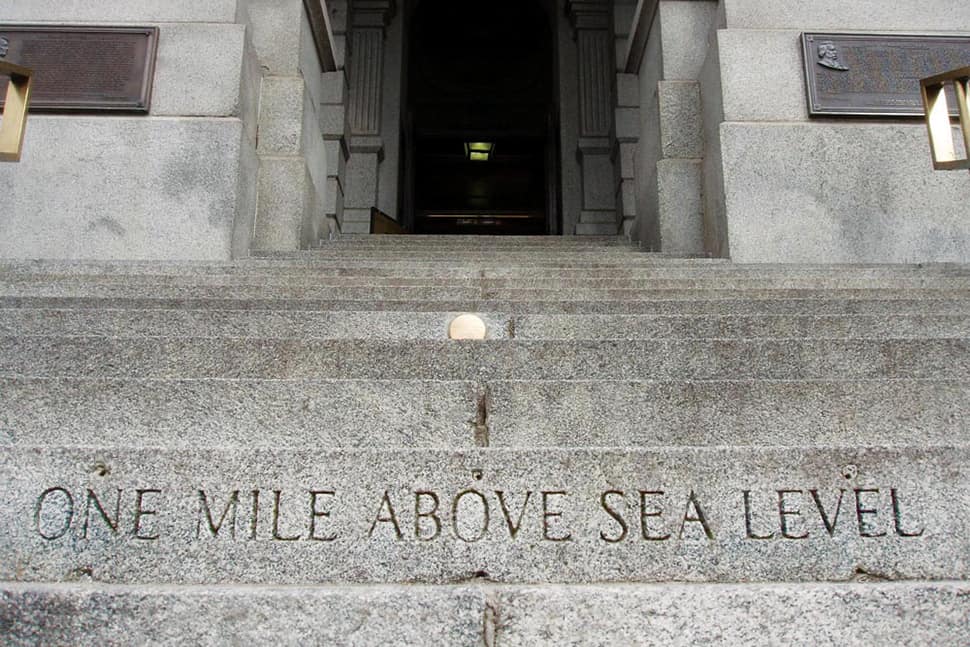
[946, 155]
[479, 151]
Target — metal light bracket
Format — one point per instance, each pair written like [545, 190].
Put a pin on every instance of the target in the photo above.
[14, 116]
[938, 120]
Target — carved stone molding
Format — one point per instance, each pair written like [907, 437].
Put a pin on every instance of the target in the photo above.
[366, 68]
[589, 14]
[372, 13]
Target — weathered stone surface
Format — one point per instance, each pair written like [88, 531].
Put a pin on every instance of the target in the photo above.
[680, 216]
[725, 306]
[806, 615]
[199, 70]
[517, 360]
[286, 195]
[681, 130]
[712, 271]
[759, 413]
[724, 327]
[239, 413]
[867, 15]
[434, 325]
[768, 87]
[430, 291]
[819, 614]
[136, 189]
[244, 323]
[351, 617]
[745, 277]
[781, 206]
[382, 413]
[699, 515]
[281, 115]
[684, 29]
[101, 11]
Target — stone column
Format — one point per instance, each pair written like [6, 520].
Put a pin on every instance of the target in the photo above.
[591, 20]
[369, 20]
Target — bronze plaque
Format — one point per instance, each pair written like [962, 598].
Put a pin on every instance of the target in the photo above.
[874, 74]
[84, 68]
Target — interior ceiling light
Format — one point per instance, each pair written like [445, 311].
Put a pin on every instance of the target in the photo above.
[479, 151]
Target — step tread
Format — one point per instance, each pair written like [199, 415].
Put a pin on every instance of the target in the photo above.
[459, 616]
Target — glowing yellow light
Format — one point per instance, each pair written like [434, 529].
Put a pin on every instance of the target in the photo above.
[479, 151]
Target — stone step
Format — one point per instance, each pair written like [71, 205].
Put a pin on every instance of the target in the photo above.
[836, 413]
[537, 413]
[446, 292]
[418, 240]
[596, 229]
[625, 258]
[575, 281]
[415, 271]
[86, 615]
[330, 324]
[311, 516]
[696, 306]
[614, 254]
[240, 413]
[269, 358]
[472, 615]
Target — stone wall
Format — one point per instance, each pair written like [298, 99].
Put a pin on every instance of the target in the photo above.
[175, 184]
[296, 165]
[667, 53]
[765, 182]
[230, 158]
[833, 190]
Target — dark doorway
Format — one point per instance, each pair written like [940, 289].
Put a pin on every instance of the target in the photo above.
[480, 123]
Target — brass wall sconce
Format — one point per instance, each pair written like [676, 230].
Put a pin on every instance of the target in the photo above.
[938, 120]
[14, 116]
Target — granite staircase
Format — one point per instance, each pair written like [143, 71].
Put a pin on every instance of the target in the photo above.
[644, 450]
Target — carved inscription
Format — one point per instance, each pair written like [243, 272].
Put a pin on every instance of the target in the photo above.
[84, 68]
[871, 74]
[474, 515]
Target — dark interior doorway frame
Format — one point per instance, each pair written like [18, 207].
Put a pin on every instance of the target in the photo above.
[477, 125]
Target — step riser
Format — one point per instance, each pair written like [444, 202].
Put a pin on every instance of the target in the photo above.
[95, 616]
[754, 413]
[349, 263]
[422, 325]
[219, 413]
[460, 616]
[460, 415]
[459, 293]
[520, 360]
[930, 284]
[900, 515]
[720, 307]
[414, 272]
[807, 615]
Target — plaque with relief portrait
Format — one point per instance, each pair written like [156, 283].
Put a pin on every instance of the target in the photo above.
[871, 75]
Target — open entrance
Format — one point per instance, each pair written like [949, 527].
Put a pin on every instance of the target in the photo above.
[480, 131]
